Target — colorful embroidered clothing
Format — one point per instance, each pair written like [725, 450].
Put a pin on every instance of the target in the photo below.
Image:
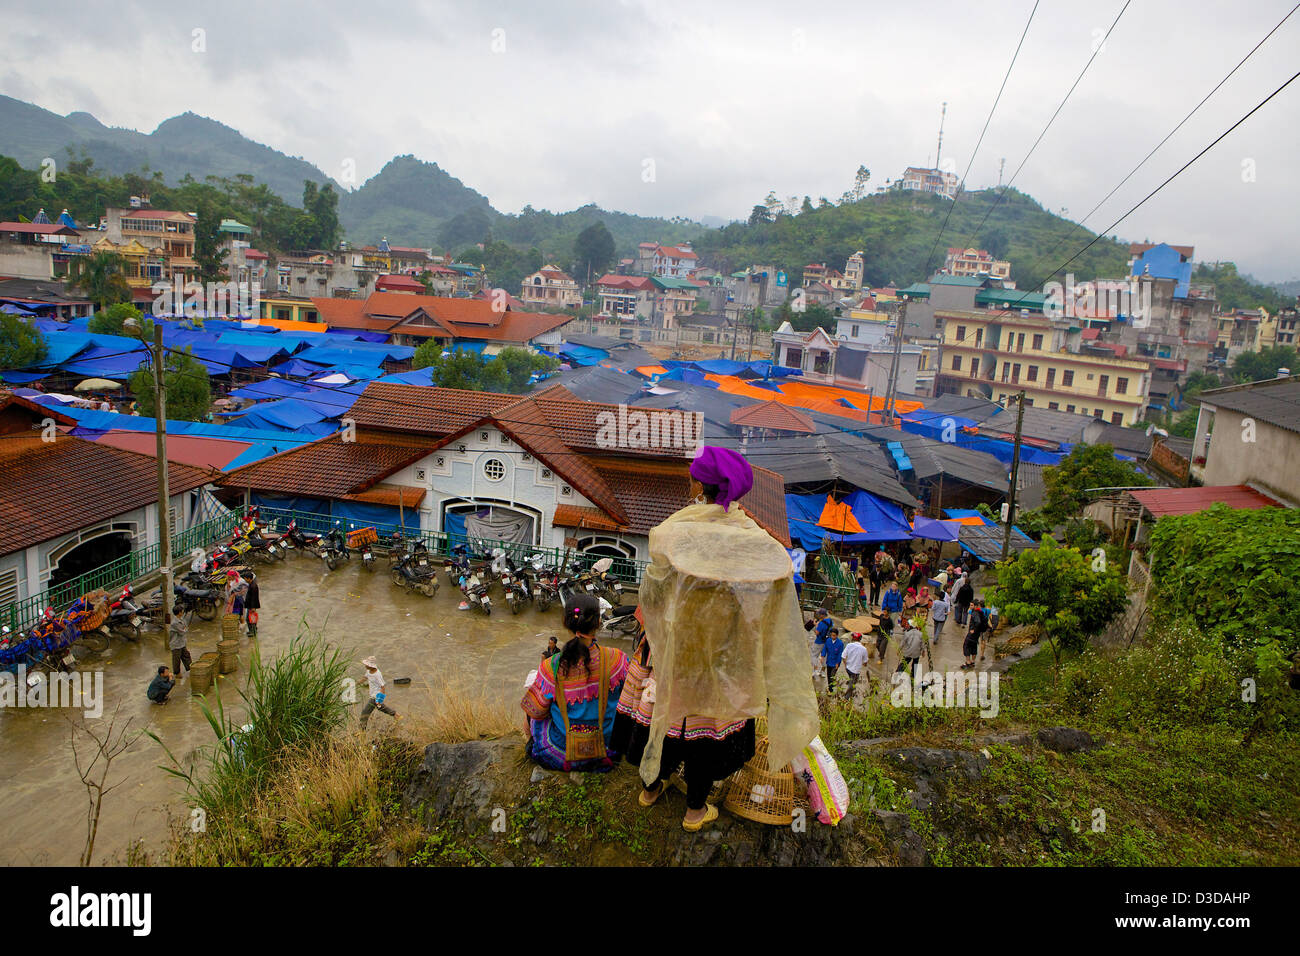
[582, 700]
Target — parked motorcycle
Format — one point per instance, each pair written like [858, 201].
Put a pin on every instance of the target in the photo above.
[185, 600]
[299, 540]
[456, 565]
[264, 546]
[515, 586]
[124, 615]
[620, 619]
[396, 548]
[476, 594]
[414, 573]
[334, 547]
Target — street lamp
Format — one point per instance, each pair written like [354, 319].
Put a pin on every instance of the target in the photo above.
[133, 327]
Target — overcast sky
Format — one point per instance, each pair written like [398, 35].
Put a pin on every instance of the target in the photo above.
[556, 104]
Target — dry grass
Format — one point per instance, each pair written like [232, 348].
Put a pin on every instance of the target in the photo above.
[459, 713]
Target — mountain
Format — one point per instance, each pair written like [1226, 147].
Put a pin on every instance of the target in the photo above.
[897, 233]
[407, 202]
[185, 144]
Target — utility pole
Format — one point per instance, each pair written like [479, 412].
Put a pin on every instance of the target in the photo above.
[164, 496]
[895, 362]
[1015, 475]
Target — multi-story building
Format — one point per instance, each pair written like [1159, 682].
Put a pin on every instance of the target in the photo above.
[625, 297]
[677, 262]
[552, 288]
[1240, 331]
[142, 265]
[674, 298]
[930, 181]
[854, 271]
[837, 361]
[975, 262]
[995, 353]
[1250, 434]
[165, 229]
[1288, 326]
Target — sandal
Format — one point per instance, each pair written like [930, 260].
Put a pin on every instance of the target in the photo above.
[710, 814]
[649, 797]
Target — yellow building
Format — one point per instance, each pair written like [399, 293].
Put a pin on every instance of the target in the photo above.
[141, 265]
[283, 310]
[164, 229]
[995, 355]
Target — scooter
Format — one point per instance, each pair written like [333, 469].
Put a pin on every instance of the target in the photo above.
[476, 594]
[456, 565]
[414, 573]
[334, 548]
[515, 587]
[621, 619]
[368, 557]
[124, 616]
[298, 540]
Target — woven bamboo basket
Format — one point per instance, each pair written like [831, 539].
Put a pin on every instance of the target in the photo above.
[362, 536]
[98, 603]
[758, 794]
[228, 655]
[201, 674]
[230, 627]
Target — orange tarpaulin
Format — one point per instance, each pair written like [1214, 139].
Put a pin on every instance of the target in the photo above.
[817, 398]
[649, 371]
[837, 516]
[971, 520]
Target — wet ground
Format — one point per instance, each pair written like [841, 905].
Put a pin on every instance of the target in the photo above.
[43, 803]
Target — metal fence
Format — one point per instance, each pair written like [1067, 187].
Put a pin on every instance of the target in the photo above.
[441, 543]
[130, 567]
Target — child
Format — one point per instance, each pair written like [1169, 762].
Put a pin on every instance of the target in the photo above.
[376, 696]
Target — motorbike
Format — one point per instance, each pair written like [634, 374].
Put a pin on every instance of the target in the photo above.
[396, 548]
[124, 615]
[414, 573]
[263, 546]
[298, 540]
[515, 586]
[334, 548]
[185, 600]
[456, 565]
[621, 619]
[476, 594]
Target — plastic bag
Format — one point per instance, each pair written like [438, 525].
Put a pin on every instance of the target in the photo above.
[827, 792]
[723, 618]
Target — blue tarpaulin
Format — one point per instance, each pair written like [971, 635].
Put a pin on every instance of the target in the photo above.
[419, 376]
[581, 354]
[288, 413]
[931, 530]
[880, 520]
[297, 368]
[106, 362]
[271, 389]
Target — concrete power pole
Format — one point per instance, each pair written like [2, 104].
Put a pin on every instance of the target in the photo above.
[1015, 475]
[164, 496]
[891, 393]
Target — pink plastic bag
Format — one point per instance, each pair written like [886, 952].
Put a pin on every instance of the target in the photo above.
[827, 792]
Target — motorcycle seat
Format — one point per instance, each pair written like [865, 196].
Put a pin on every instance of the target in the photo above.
[623, 610]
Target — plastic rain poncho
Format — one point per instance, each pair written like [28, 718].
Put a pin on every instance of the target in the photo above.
[722, 616]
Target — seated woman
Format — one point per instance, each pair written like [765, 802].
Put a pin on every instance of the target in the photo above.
[571, 703]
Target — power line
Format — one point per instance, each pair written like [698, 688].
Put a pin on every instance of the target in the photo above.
[1079, 225]
[1060, 106]
[997, 99]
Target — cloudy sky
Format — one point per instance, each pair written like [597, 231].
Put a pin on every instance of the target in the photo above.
[699, 109]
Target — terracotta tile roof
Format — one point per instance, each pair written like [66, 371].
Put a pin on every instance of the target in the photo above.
[18, 414]
[51, 488]
[773, 414]
[331, 467]
[423, 411]
[392, 495]
[348, 314]
[399, 283]
[158, 214]
[573, 516]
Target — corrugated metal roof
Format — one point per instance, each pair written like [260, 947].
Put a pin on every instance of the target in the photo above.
[1182, 501]
[1275, 402]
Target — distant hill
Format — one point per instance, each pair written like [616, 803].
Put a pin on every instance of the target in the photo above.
[896, 231]
[409, 202]
[185, 144]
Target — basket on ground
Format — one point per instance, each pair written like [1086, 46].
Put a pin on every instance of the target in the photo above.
[228, 652]
[756, 792]
[201, 672]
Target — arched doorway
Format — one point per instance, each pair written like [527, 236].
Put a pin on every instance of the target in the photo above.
[92, 549]
[605, 547]
[489, 519]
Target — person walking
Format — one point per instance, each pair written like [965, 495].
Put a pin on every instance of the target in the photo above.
[978, 625]
[376, 695]
[965, 595]
[833, 651]
[176, 641]
[160, 686]
[855, 656]
[877, 578]
[892, 601]
[910, 647]
[939, 613]
[252, 604]
[882, 639]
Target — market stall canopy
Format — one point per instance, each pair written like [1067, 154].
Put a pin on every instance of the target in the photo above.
[97, 385]
[932, 530]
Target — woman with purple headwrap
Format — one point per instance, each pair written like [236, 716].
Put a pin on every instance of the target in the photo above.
[723, 619]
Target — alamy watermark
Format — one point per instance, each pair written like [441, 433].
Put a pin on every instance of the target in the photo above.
[1102, 299]
[977, 690]
[82, 690]
[199, 300]
[652, 429]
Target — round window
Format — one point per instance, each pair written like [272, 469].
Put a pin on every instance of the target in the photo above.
[494, 469]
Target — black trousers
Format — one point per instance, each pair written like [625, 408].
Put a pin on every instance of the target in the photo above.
[180, 656]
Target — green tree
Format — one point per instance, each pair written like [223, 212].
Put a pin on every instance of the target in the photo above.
[100, 276]
[1087, 466]
[1257, 366]
[814, 315]
[1184, 425]
[593, 252]
[189, 393]
[112, 320]
[807, 205]
[1067, 596]
[21, 344]
[208, 253]
[462, 369]
[759, 214]
[520, 364]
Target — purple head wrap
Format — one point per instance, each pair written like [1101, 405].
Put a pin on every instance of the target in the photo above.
[725, 468]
